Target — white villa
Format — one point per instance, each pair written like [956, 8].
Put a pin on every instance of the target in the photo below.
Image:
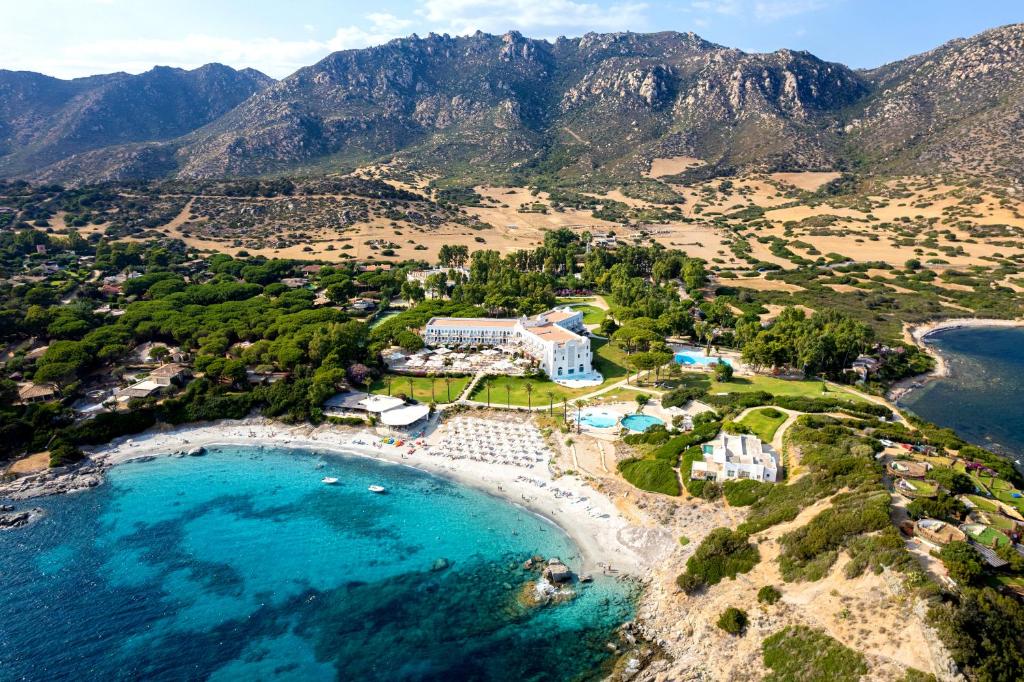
[730, 457]
[555, 339]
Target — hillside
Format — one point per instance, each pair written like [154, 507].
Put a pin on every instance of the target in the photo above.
[46, 120]
[595, 109]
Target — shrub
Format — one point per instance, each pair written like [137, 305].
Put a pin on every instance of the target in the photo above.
[653, 475]
[724, 553]
[744, 493]
[63, 453]
[802, 653]
[768, 594]
[963, 562]
[733, 620]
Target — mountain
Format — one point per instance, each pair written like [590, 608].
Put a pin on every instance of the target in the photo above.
[598, 107]
[45, 120]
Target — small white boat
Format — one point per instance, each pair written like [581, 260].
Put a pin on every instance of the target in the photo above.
[329, 480]
[377, 489]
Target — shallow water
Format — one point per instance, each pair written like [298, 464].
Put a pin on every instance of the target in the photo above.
[983, 396]
[242, 565]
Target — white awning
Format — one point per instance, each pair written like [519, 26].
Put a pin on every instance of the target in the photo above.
[403, 416]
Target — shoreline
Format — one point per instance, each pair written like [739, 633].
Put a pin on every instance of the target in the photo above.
[602, 539]
[918, 335]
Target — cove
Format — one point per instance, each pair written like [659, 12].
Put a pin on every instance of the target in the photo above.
[243, 565]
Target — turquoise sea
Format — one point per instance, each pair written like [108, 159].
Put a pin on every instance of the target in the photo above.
[242, 565]
[983, 396]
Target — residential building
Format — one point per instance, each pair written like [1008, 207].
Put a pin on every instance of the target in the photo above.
[37, 393]
[171, 373]
[730, 457]
[555, 339]
[865, 365]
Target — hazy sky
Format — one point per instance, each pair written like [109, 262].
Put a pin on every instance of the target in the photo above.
[69, 38]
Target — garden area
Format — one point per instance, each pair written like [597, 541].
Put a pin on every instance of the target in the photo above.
[609, 360]
[764, 422]
[438, 390]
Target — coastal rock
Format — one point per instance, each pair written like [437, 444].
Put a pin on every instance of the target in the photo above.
[557, 573]
[17, 519]
[440, 565]
[54, 481]
[197, 452]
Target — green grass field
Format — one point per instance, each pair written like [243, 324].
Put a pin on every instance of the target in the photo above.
[421, 387]
[591, 314]
[749, 384]
[608, 360]
[763, 424]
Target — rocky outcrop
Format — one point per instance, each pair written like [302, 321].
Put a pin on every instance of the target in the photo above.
[557, 573]
[54, 481]
[16, 519]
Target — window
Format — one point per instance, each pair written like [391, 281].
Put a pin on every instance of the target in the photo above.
[559, 371]
[581, 367]
[571, 370]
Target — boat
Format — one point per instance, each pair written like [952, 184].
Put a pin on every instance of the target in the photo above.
[377, 489]
[329, 480]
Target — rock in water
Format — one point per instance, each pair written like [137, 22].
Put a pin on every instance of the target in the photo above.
[197, 452]
[557, 572]
[440, 565]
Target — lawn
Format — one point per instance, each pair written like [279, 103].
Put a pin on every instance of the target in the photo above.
[421, 387]
[788, 387]
[749, 384]
[764, 422]
[608, 360]
[591, 314]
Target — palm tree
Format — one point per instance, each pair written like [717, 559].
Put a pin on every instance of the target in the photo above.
[433, 378]
[529, 395]
[411, 396]
[387, 382]
[448, 385]
[565, 409]
[580, 404]
[551, 403]
[488, 385]
[508, 395]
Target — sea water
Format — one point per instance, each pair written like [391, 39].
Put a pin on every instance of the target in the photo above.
[983, 396]
[242, 565]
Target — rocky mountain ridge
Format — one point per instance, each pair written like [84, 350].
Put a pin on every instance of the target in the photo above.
[595, 107]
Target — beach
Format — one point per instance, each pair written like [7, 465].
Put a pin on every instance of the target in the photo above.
[606, 540]
[918, 335]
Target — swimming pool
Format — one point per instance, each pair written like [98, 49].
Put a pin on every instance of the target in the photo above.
[599, 419]
[689, 357]
[640, 422]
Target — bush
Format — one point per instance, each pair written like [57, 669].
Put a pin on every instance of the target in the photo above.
[723, 554]
[733, 620]
[963, 563]
[653, 475]
[802, 653]
[984, 632]
[745, 493]
[768, 594]
[63, 453]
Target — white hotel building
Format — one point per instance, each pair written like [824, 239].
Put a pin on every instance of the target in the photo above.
[555, 339]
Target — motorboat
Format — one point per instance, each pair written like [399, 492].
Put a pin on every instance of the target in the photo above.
[329, 480]
[377, 489]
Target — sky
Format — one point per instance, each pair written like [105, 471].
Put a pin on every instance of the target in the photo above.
[71, 38]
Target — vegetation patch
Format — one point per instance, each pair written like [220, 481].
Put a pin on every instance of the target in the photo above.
[801, 654]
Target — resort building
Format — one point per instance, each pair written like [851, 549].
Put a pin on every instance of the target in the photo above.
[389, 410]
[938, 533]
[730, 457]
[555, 339]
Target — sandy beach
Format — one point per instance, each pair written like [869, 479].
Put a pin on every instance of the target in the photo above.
[604, 537]
[918, 335]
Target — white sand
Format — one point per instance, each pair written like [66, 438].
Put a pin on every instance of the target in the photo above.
[603, 540]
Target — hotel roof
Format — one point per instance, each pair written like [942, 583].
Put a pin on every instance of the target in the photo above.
[462, 322]
[552, 332]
